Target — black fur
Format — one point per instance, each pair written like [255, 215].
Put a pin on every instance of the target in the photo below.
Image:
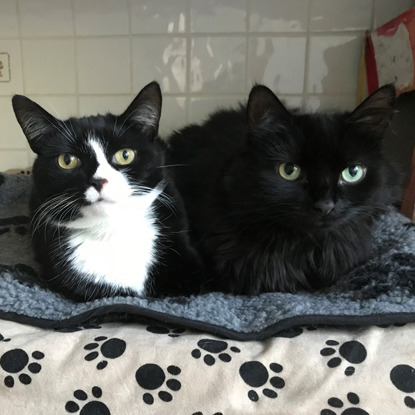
[259, 232]
[178, 266]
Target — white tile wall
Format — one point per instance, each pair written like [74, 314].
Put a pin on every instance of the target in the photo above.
[218, 64]
[80, 57]
[103, 65]
[162, 58]
[49, 66]
[49, 18]
[275, 16]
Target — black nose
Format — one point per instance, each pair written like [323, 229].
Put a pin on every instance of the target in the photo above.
[98, 183]
[324, 206]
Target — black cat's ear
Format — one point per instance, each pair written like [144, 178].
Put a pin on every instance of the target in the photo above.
[375, 112]
[263, 105]
[33, 119]
[145, 110]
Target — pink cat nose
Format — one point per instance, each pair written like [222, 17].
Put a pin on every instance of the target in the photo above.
[98, 183]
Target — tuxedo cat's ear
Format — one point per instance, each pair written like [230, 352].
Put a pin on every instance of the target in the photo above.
[375, 112]
[34, 120]
[145, 109]
[264, 105]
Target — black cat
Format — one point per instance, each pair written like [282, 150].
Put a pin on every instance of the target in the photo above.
[107, 219]
[280, 200]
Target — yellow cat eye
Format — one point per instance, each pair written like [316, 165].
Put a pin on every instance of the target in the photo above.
[289, 171]
[68, 161]
[353, 174]
[124, 156]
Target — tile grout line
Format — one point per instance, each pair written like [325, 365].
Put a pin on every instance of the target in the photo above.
[188, 56]
[247, 44]
[19, 19]
[373, 17]
[130, 38]
[75, 46]
[306, 57]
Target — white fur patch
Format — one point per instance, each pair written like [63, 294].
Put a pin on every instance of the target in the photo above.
[114, 240]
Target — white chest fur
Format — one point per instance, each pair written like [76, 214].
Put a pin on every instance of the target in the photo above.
[114, 243]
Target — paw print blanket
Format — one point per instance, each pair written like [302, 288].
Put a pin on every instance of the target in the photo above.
[141, 368]
[381, 291]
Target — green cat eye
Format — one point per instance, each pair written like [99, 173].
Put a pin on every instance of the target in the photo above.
[124, 156]
[289, 171]
[353, 174]
[68, 161]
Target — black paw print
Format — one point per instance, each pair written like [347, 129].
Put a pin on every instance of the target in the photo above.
[213, 346]
[109, 349]
[338, 404]
[151, 377]
[15, 361]
[352, 351]
[3, 339]
[201, 413]
[16, 224]
[256, 375]
[90, 407]
[403, 378]
[72, 329]
[170, 331]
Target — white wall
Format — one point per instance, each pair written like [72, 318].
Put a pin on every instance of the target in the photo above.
[81, 57]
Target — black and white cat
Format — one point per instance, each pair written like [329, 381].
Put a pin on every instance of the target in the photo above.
[280, 200]
[107, 218]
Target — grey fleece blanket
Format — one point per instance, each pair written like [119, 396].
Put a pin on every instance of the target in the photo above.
[382, 291]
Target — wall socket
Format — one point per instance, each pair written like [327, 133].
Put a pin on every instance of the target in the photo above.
[4, 67]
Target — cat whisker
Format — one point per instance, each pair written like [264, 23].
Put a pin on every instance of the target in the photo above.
[173, 165]
[47, 212]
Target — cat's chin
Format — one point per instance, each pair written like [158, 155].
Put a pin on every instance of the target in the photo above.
[102, 207]
[325, 223]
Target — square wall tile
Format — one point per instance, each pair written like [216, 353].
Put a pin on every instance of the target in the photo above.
[340, 15]
[162, 59]
[103, 104]
[14, 159]
[11, 81]
[278, 63]
[49, 66]
[9, 22]
[278, 15]
[173, 115]
[216, 16]
[11, 135]
[331, 103]
[101, 17]
[201, 108]
[158, 16]
[46, 17]
[291, 102]
[103, 66]
[386, 10]
[61, 107]
[334, 63]
[218, 64]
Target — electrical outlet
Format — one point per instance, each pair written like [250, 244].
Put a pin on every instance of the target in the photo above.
[4, 67]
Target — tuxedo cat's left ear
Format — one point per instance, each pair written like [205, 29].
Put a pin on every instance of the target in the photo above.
[145, 110]
[263, 105]
[375, 112]
[34, 120]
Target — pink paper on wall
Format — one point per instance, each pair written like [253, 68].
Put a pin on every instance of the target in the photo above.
[390, 54]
